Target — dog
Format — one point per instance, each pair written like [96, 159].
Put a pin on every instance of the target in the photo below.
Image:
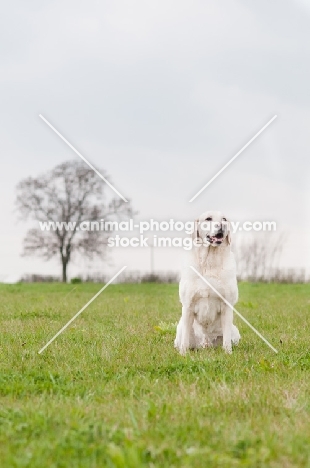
[206, 319]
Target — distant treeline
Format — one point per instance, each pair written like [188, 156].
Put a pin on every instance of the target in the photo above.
[130, 277]
[277, 275]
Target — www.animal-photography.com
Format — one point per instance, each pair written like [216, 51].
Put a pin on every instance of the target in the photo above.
[155, 241]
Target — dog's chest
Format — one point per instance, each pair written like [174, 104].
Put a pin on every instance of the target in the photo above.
[212, 287]
[215, 285]
[208, 305]
[208, 311]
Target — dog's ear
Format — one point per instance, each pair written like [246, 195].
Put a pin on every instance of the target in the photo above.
[226, 228]
[228, 233]
[229, 236]
[195, 233]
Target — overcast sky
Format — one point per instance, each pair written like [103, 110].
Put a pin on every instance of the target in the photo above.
[161, 95]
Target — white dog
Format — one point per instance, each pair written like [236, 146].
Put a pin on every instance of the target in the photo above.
[206, 319]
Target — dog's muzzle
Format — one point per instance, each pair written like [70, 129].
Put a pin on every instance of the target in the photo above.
[217, 239]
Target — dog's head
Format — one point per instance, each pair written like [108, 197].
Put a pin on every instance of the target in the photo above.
[213, 228]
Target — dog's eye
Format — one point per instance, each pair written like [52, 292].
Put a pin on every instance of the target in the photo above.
[224, 219]
[209, 219]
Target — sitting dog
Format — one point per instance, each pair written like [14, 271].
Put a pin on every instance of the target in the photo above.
[206, 319]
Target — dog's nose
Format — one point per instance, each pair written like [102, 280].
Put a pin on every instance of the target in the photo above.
[217, 226]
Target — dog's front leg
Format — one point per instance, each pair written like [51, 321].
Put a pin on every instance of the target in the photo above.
[185, 332]
[227, 321]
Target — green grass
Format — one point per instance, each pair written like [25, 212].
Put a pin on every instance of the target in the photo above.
[112, 392]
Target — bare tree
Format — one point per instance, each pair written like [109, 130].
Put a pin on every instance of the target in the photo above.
[71, 193]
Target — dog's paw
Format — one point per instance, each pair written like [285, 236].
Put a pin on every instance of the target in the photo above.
[182, 350]
[235, 335]
[227, 348]
[235, 341]
[179, 347]
[207, 343]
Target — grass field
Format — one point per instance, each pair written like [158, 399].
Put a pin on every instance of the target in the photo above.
[112, 392]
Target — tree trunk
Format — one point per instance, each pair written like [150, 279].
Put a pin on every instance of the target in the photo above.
[64, 270]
